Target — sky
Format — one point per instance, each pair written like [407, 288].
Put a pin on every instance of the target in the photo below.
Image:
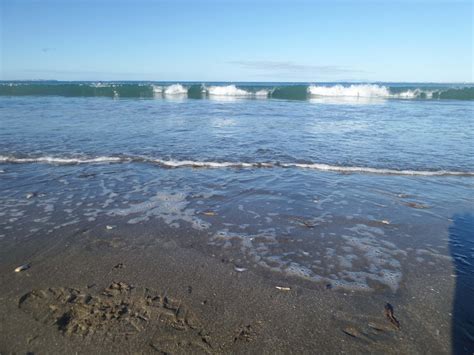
[237, 40]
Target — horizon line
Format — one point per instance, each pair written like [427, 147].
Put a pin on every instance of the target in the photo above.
[246, 82]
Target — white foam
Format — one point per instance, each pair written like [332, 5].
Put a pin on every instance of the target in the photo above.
[201, 164]
[176, 89]
[365, 91]
[157, 89]
[226, 164]
[381, 171]
[298, 270]
[229, 90]
[368, 260]
[171, 207]
[346, 100]
[54, 160]
[262, 93]
[315, 166]
[413, 94]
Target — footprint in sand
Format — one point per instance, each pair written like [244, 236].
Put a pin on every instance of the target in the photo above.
[117, 311]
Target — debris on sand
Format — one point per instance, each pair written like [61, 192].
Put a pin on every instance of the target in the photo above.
[354, 332]
[379, 327]
[22, 268]
[389, 313]
[239, 269]
[119, 266]
[351, 331]
[281, 288]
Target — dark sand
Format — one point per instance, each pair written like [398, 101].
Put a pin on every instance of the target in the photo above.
[152, 289]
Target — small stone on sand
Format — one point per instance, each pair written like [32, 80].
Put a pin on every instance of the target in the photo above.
[22, 268]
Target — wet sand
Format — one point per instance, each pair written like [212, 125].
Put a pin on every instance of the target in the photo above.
[148, 288]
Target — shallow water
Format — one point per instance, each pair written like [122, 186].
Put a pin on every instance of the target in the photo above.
[413, 135]
[346, 194]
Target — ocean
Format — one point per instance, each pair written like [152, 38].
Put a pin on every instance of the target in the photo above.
[348, 187]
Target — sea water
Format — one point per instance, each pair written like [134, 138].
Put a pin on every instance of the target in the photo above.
[344, 185]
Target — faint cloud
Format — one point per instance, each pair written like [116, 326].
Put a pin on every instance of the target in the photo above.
[47, 49]
[288, 67]
[73, 74]
[59, 71]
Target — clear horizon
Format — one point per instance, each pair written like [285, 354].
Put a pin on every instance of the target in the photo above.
[230, 41]
[240, 82]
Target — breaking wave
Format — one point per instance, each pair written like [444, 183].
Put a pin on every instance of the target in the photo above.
[226, 164]
[229, 90]
[351, 91]
[176, 89]
[370, 91]
[255, 90]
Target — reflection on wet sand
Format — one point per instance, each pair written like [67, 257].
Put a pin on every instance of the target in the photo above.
[461, 234]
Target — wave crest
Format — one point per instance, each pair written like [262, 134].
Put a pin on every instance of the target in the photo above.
[372, 91]
[248, 90]
[350, 91]
[229, 90]
[176, 89]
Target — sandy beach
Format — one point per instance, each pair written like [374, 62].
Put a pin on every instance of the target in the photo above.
[147, 289]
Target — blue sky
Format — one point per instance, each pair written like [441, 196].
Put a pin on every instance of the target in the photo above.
[230, 40]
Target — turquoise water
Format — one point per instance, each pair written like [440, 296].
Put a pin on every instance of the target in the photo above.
[285, 91]
[344, 185]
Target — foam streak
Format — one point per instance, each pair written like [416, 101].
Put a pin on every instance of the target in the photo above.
[234, 165]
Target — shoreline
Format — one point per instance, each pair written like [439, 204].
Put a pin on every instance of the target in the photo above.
[231, 311]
